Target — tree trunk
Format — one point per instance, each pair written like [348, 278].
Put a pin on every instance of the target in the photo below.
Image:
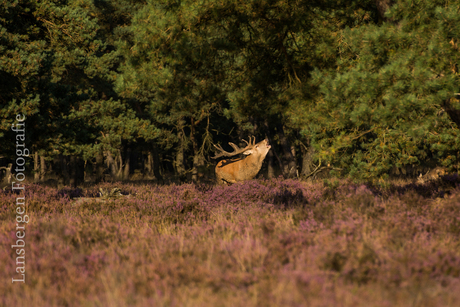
[113, 166]
[307, 161]
[126, 168]
[64, 175]
[271, 162]
[119, 162]
[36, 167]
[198, 159]
[73, 171]
[99, 166]
[197, 171]
[148, 165]
[294, 170]
[42, 168]
[156, 164]
[289, 165]
[179, 161]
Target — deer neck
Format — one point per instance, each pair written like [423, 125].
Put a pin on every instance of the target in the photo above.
[253, 163]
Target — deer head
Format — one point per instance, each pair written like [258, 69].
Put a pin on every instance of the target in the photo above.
[240, 169]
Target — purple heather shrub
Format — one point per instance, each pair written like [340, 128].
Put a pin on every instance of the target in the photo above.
[256, 243]
[70, 192]
[310, 225]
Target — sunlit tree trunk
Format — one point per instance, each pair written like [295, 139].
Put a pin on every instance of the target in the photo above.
[307, 161]
[271, 166]
[148, 164]
[42, 168]
[36, 167]
[114, 165]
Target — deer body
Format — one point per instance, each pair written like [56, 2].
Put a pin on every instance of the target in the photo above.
[240, 169]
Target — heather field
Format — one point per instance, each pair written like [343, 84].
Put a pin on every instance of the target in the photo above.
[260, 243]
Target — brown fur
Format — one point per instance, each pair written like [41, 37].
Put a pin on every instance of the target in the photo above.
[240, 169]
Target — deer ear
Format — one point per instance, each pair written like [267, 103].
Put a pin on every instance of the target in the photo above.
[247, 152]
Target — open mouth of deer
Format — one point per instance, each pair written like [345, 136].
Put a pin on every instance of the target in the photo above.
[266, 144]
[235, 170]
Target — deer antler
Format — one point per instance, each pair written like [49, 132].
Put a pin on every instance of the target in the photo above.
[237, 150]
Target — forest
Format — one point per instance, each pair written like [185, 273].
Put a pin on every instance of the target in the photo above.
[111, 112]
[128, 89]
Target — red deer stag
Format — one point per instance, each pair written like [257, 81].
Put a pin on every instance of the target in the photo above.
[244, 168]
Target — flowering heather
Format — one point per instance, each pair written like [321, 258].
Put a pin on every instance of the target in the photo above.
[258, 243]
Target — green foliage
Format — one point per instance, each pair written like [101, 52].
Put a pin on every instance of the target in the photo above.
[175, 74]
[279, 43]
[385, 105]
[58, 70]
[370, 92]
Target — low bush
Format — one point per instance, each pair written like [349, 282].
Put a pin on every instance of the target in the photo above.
[258, 243]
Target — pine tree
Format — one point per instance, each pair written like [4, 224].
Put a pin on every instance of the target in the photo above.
[172, 71]
[58, 69]
[189, 61]
[272, 48]
[391, 101]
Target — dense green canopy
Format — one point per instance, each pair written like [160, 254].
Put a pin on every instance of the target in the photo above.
[391, 100]
[363, 86]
